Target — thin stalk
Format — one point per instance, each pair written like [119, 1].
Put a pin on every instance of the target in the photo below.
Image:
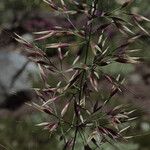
[75, 136]
[88, 39]
[81, 87]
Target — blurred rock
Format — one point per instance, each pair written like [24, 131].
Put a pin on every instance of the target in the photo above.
[16, 75]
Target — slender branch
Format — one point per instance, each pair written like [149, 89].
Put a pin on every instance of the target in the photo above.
[88, 39]
[75, 136]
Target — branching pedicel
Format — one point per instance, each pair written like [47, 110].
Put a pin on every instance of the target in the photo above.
[83, 115]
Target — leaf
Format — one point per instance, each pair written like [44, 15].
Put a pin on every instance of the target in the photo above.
[36, 106]
[57, 45]
[42, 74]
[128, 59]
[43, 32]
[140, 17]
[43, 124]
[124, 129]
[34, 54]
[144, 30]
[50, 100]
[63, 3]
[93, 82]
[48, 111]
[73, 79]
[51, 127]
[65, 109]
[119, 19]
[76, 59]
[109, 132]
[122, 28]
[125, 28]
[113, 92]
[132, 39]
[45, 36]
[70, 12]
[122, 116]
[98, 48]
[78, 112]
[118, 107]
[133, 50]
[51, 4]
[21, 39]
[60, 55]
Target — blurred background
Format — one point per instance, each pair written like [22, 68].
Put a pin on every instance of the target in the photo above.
[17, 128]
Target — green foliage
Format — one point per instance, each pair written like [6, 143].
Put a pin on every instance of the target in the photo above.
[12, 9]
[23, 134]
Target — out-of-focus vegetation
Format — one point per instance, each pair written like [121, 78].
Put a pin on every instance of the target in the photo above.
[14, 9]
[22, 134]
